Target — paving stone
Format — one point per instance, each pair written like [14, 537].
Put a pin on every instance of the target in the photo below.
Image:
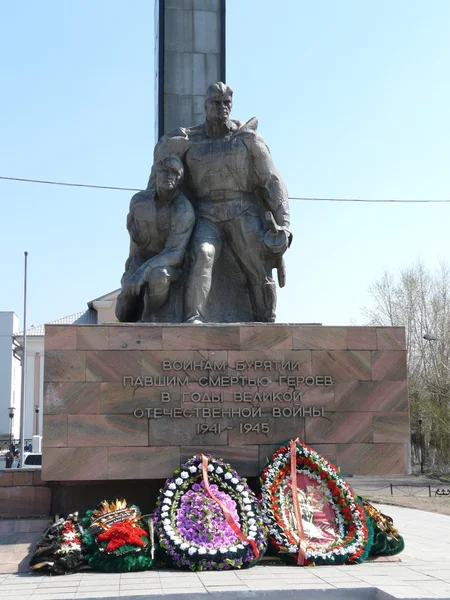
[313, 586]
[55, 596]
[184, 574]
[351, 584]
[56, 589]
[208, 576]
[17, 587]
[141, 586]
[338, 578]
[406, 591]
[175, 590]
[141, 577]
[95, 594]
[57, 582]
[152, 592]
[270, 584]
[97, 586]
[435, 587]
[180, 582]
[227, 588]
[95, 578]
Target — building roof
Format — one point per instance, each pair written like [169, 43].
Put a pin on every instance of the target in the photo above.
[109, 296]
[87, 317]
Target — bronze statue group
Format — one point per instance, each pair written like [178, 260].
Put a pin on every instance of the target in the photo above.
[214, 217]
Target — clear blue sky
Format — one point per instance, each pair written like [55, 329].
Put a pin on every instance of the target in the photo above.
[352, 97]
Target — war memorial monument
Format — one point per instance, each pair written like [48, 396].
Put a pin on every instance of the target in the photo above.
[196, 361]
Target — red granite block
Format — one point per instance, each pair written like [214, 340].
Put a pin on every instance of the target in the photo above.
[71, 397]
[65, 365]
[391, 427]
[152, 362]
[107, 430]
[343, 365]
[119, 399]
[60, 337]
[244, 459]
[316, 337]
[42, 501]
[37, 477]
[372, 459]
[202, 337]
[389, 365]
[284, 357]
[112, 365]
[24, 528]
[262, 337]
[362, 338]
[182, 432]
[14, 526]
[54, 431]
[391, 338]
[371, 396]
[281, 428]
[6, 478]
[319, 397]
[266, 451]
[135, 337]
[27, 501]
[74, 464]
[5, 501]
[342, 428]
[39, 526]
[184, 395]
[142, 463]
[327, 450]
[22, 478]
[92, 337]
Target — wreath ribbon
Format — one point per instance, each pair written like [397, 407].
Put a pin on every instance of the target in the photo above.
[226, 513]
[297, 509]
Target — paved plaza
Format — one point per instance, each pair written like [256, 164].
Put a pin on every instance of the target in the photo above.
[421, 571]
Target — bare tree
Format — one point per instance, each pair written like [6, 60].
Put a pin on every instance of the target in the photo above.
[420, 301]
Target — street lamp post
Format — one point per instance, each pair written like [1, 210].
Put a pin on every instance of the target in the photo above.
[36, 411]
[11, 411]
[420, 444]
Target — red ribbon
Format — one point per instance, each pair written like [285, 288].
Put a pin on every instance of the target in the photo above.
[226, 513]
[297, 508]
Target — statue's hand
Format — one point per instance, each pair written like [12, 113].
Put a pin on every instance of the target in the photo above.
[135, 284]
[277, 243]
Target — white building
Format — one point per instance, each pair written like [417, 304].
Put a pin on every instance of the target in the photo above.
[10, 376]
[101, 310]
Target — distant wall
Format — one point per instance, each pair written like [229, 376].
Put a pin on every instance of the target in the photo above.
[23, 494]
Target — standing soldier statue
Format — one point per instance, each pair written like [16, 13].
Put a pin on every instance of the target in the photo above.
[241, 210]
[239, 199]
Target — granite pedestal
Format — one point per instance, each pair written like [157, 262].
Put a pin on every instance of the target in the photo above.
[126, 403]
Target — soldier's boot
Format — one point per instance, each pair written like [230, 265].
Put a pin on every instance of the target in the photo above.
[156, 293]
[196, 297]
[263, 297]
